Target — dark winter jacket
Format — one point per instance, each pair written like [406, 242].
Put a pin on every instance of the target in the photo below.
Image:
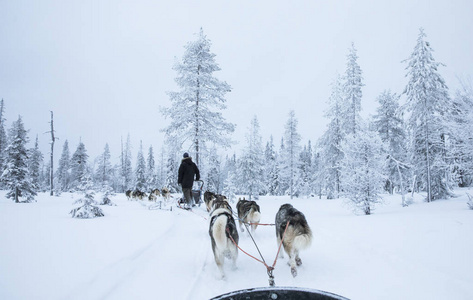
[187, 171]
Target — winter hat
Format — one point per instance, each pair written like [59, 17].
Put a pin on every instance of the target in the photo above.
[186, 155]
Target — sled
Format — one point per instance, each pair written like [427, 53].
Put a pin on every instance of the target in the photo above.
[160, 205]
[287, 293]
[196, 194]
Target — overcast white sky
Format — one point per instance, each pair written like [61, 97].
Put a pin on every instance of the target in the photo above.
[104, 67]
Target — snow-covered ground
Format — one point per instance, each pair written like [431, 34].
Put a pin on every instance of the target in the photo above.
[423, 251]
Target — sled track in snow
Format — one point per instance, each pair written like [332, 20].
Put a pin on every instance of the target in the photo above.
[102, 287]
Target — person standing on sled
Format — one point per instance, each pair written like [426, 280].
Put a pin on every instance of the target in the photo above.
[187, 170]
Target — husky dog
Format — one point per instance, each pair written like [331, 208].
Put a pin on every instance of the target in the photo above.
[222, 227]
[165, 193]
[128, 194]
[216, 204]
[298, 235]
[248, 212]
[209, 197]
[154, 194]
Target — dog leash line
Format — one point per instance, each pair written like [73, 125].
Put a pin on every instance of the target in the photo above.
[269, 269]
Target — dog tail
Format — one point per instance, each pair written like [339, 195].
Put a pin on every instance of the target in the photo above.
[219, 233]
[255, 216]
[303, 241]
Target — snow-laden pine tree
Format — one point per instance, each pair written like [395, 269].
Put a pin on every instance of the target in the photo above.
[283, 173]
[390, 127]
[252, 162]
[271, 169]
[428, 104]
[79, 168]
[3, 139]
[16, 175]
[161, 168]
[172, 162]
[462, 138]
[35, 159]
[89, 208]
[195, 109]
[330, 143]
[214, 172]
[126, 171]
[230, 188]
[104, 170]
[317, 175]
[352, 83]
[290, 153]
[151, 175]
[362, 169]
[305, 181]
[140, 171]
[63, 172]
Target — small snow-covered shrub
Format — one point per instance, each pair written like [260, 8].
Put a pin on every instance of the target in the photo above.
[107, 193]
[89, 209]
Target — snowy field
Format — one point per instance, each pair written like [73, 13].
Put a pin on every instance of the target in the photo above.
[423, 251]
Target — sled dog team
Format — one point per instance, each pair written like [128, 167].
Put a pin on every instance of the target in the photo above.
[224, 234]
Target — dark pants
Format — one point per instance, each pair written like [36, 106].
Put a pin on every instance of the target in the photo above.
[187, 195]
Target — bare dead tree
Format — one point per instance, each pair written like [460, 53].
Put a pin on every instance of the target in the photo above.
[51, 169]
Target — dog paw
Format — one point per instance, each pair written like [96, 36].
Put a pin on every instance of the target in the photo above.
[298, 261]
[293, 271]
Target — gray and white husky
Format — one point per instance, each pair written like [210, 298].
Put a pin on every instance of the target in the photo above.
[248, 212]
[222, 227]
[298, 235]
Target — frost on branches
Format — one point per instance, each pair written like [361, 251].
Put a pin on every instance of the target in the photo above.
[16, 175]
[88, 210]
[362, 168]
[195, 108]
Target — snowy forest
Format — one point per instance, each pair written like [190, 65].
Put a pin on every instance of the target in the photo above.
[419, 140]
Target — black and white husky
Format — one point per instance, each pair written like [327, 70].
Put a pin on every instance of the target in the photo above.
[298, 235]
[248, 212]
[222, 227]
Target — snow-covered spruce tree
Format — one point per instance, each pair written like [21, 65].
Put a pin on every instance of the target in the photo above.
[291, 152]
[271, 169]
[461, 142]
[125, 163]
[16, 176]
[89, 208]
[462, 137]
[252, 162]
[352, 83]
[428, 103]
[35, 159]
[161, 168]
[173, 160]
[107, 193]
[214, 172]
[140, 171]
[103, 172]
[362, 168]
[304, 184]
[79, 168]
[151, 176]
[317, 175]
[63, 172]
[283, 173]
[330, 143]
[230, 182]
[389, 124]
[3, 139]
[195, 108]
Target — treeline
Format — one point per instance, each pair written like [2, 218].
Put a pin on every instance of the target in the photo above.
[425, 145]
